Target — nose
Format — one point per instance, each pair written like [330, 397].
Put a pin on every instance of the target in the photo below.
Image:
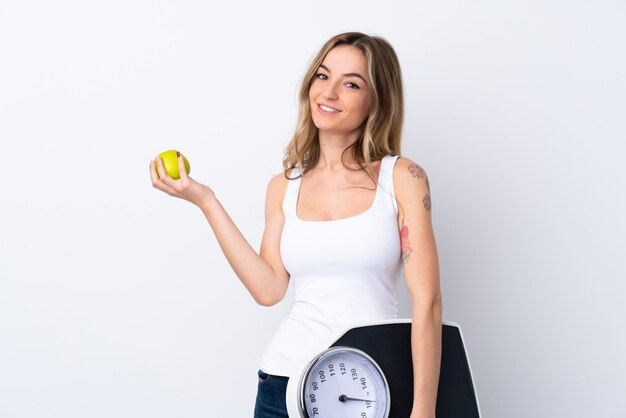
[330, 92]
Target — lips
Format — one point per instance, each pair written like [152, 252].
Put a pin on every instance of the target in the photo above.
[328, 109]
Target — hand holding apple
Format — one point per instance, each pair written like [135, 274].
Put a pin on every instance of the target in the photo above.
[170, 162]
[169, 173]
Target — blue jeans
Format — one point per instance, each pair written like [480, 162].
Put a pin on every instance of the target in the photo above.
[271, 396]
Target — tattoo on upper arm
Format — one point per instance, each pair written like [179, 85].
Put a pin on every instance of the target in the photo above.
[419, 173]
[405, 242]
[426, 201]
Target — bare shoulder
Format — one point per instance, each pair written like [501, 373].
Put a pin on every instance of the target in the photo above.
[411, 182]
[407, 173]
[277, 183]
[276, 189]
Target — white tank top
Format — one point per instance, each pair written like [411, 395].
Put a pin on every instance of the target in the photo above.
[343, 271]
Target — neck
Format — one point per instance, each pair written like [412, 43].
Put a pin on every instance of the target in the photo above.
[332, 147]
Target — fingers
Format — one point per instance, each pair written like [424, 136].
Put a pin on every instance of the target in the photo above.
[160, 178]
[182, 170]
[160, 168]
[153, 172]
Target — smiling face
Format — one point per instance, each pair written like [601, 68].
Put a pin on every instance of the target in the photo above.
[340, 95]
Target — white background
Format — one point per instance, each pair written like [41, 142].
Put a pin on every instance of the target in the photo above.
[115, 300]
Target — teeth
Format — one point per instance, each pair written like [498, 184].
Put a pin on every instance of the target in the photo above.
[328, 109]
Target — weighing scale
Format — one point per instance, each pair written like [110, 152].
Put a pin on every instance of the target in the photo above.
[366, 371]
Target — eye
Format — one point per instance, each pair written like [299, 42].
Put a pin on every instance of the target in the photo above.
[352, 85]
[321, 76]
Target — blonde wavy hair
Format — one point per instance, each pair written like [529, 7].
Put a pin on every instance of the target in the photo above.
[382, 129]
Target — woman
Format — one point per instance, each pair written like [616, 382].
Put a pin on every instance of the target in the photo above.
[340, 222]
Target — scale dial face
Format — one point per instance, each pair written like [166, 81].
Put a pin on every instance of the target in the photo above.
[343, 382]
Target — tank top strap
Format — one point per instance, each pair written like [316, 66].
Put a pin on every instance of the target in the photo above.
[290, 200]
[385, 181]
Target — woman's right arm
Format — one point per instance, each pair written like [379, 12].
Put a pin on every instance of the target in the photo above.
[262, 274]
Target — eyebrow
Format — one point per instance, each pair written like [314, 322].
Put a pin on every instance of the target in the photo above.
[345, 75]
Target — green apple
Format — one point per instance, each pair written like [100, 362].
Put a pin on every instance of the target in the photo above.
[170, 162]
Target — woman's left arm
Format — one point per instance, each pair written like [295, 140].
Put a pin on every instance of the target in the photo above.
[421, 271]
